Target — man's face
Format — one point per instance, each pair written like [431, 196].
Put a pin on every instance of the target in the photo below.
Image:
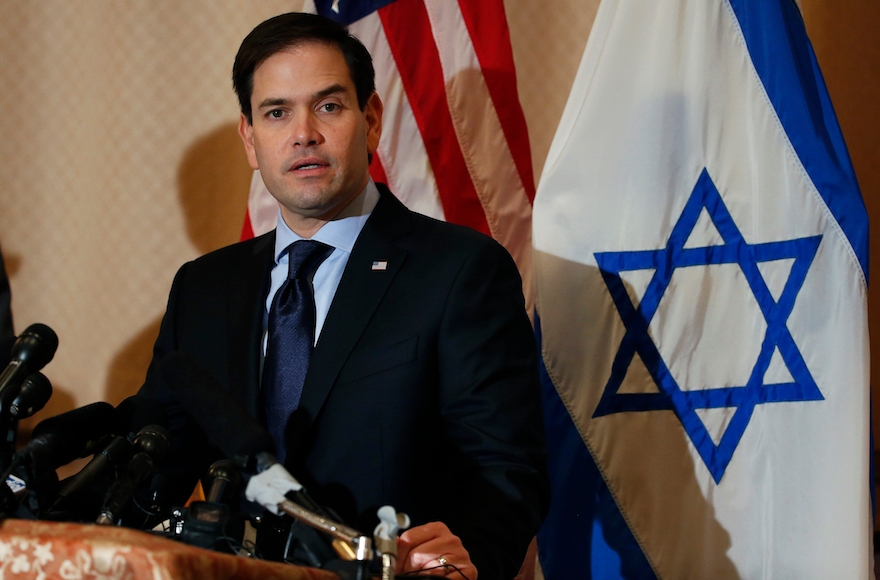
[309, 138]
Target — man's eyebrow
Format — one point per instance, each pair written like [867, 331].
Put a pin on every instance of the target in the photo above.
[331, 90]
[272, 103]
[280, 101]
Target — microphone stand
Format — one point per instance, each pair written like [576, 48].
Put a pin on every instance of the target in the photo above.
[9, 499]
[385, 538]
[8, 428]
[350, 544]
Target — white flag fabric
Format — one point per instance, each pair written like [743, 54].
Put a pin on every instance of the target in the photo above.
[701, 270]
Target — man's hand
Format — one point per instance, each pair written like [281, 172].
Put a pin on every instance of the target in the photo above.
[432, 549]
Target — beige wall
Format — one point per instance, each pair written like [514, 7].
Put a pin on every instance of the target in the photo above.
[119, 158]
[119, 161]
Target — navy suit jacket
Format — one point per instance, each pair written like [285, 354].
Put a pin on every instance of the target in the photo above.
[422, 392]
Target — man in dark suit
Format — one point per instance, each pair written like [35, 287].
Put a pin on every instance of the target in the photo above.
[422, 390]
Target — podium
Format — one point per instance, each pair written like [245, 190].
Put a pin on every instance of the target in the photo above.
[32, 549]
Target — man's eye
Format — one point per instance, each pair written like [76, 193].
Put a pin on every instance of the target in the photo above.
[276, 113]
[329, 107]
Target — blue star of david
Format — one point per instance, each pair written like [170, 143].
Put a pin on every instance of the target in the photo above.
[742, 398]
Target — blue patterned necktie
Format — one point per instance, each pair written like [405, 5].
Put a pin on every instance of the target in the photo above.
[291, 339]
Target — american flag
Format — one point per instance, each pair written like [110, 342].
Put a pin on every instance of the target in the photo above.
[454, 144]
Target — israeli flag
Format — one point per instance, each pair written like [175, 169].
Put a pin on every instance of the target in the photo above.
[701, 271]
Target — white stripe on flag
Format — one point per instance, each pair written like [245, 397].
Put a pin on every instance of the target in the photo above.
[401, 148]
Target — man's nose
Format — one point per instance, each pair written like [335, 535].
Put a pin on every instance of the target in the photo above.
[306, 131]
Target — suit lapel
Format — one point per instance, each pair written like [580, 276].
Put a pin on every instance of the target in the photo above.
[359, 293]
[246, 306]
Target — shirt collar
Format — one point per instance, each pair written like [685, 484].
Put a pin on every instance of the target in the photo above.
[342, 231]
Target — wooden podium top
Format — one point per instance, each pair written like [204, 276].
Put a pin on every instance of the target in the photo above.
[40, 549]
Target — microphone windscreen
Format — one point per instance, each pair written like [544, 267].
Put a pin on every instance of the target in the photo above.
[222, 417]
[154, 440]
[225, 481]
[135, 413]
[74, 430]
[36, 390]
[35, 347]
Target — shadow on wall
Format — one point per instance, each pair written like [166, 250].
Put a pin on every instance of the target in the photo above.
[213, 180]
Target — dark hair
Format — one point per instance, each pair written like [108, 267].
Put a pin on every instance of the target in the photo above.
[291, 29]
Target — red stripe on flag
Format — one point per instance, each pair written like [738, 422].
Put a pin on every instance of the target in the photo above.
[409, 35]
[487, 26]
[247, 231]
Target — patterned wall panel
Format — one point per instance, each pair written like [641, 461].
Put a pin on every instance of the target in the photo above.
[119, 160]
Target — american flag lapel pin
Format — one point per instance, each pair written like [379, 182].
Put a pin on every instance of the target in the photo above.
[379, 265]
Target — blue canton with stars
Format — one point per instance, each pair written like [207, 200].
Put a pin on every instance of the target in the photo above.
[637, 339]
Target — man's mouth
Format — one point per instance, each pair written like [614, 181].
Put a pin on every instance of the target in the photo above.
[307, 164]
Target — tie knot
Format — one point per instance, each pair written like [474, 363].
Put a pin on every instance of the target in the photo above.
[304, 258]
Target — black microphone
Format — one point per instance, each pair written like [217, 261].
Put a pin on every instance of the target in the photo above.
[226, 482]
[30, 352]
[151, 445]
[36, 390]
[112, 456]
[129, 417]
[59, 440]
[213, 523]
[56, 441]
[33, 396]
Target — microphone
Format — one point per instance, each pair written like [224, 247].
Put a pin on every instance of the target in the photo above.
[152, 444]
[112, 456]
[33, 396]
[226, 482]
[60, 439]
[129, 417]
[56, 441]
[212, 523]
[30, 352]
[36, 390]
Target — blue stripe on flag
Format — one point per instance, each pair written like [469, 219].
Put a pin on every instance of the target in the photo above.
[583, 518]
[790, 74]
[349, 10]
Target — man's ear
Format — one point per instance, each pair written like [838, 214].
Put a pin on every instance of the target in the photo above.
[373, 116]
[246, 132]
